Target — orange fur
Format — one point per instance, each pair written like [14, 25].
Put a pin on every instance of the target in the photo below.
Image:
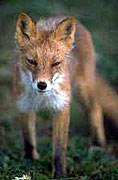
[44, 50]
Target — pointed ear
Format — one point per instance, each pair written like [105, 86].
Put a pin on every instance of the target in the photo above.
[65, 31]
[25, 29]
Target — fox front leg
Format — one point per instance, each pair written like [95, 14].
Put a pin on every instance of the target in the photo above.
[28, 123]
[60, 137]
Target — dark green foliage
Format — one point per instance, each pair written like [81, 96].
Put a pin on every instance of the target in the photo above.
[83, 162]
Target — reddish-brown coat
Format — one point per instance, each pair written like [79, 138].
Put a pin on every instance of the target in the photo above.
[95, 94]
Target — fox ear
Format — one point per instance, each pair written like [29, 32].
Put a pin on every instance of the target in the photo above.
[25, 29]
[65, 31]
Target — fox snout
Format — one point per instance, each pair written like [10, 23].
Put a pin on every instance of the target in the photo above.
[42, 85]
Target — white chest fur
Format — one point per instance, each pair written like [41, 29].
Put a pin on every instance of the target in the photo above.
[31, 100]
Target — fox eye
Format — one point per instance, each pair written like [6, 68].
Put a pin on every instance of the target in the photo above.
[55, 64]
[32, 62]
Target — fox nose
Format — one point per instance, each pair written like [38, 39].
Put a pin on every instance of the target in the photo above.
[41, 85]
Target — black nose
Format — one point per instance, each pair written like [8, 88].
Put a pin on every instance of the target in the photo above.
[41, 85]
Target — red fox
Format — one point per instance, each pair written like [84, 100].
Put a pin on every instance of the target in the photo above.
[53, 57]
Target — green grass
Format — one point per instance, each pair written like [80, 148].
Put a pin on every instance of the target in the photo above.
[84, 162]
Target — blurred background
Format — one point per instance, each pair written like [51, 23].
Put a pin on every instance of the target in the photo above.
[101, 18]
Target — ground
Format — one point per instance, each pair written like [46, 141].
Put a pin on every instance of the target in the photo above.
[84, 162]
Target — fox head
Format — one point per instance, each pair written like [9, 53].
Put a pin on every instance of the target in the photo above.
[43, 55]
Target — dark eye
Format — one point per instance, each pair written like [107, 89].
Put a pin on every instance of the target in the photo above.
[55, 64]
[31, 61]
